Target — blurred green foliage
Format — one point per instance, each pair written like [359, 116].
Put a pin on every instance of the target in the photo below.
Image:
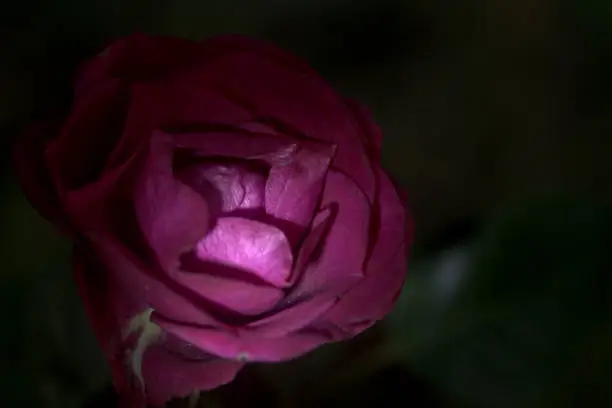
[520, 317]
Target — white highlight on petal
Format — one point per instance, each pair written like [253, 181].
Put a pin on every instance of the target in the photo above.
[149, 333]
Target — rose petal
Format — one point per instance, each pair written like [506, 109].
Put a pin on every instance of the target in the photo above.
[113, 291]
[168, 376]
[173, 103]
[293, 96]
[139, 56]
[103, 216]
[243, 345]
[271, 148]
[226, 187]
[96, 210]
[370, 131]
[33, 176]
[258, 248]
[293, 190]
[314, 240]
[294, 313]
[80, 152]
[374, 296]
[294, 318]
[340, 264]
[136, 58]
[230, 288]
[171, 215]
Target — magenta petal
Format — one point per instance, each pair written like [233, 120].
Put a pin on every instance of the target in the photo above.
[137, 289]
[340, 264]
[244, 145]
[258, 248]
[171, 215]
[182, 102]
[79, 154]
[162, 105]
[294, 97]
[370, 131]
[243, 345]
[225, 287]
[319, 229]
[301, 308]
[373, 297]
[137, 57]
[226, 187]
[293, 190]
[295, 317]
[168, 375]
[96, 210]
[114, 290]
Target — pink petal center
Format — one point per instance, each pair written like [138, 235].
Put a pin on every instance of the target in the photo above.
[250, 245]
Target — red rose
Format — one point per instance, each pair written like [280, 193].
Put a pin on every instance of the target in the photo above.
[226, 206]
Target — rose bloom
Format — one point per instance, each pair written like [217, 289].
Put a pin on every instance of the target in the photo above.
[225, 204]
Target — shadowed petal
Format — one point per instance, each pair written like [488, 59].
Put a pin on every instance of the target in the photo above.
[340, 263]
[371, 135]
[80, 152]
[374, 296]
[294, 96]
[168, 375]
[170, 104]
[171, 215]
[230, 288]
[135, 58]
[243, 345]
[236, 143]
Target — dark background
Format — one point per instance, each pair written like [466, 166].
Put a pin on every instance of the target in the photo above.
[497, 119]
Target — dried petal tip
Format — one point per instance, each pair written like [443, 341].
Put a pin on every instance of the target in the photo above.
[149, 333]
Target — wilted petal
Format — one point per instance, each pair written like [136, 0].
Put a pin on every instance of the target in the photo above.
[171, 215]
[373, 297]
[258, 248]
